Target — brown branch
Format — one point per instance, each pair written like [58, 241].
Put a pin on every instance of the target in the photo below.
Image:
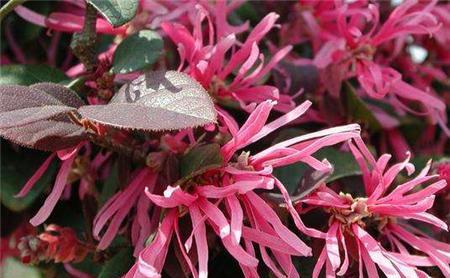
[83, 44]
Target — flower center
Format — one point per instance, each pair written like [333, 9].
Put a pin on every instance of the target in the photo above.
[355, 214]
[242, 162]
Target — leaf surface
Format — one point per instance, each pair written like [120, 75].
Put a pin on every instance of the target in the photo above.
[199, 160]
[117, 12]
[29, 74]
[160, 100]
[118, 265]
[35, 116]
[146, 48]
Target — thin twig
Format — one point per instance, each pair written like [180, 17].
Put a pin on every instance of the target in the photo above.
[9, 7]
[83, 44]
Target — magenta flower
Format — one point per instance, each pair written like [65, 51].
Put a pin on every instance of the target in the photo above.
[225, 198]
[158, 12]
[67, 157]
[351, 39]
[388, 210]
[69, 19]
[113, 213]
[205, 59]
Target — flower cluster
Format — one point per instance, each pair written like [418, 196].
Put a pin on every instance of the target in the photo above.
[192, 137]
[377, 223]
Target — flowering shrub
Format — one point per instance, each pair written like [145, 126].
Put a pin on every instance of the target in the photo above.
[225, 138]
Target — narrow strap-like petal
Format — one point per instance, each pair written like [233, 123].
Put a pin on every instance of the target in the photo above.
[52, 199]
[36, 176]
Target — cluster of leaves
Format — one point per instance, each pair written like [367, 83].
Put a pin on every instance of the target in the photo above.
[39, 116]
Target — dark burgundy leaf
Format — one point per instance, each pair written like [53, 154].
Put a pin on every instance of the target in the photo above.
[161, 100]
[21, 105]
[20, 117]
[61, 93]
[15, 97]
[304, 77]
[49, 135]
[34, 118]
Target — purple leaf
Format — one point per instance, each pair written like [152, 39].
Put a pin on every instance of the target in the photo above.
[20, 117]
[61, 93]
[160, 100]
[20, 105]
[35, 117]
[46, 135]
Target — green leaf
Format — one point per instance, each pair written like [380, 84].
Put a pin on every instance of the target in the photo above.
[76, 84]
[357, 109]
[29, 74]
[420, 161]
[16, 169]
[137, 51]
[12, 268]
[310, 181]
[343, 163]
[118, 265]
[117, 12]
[199, 160]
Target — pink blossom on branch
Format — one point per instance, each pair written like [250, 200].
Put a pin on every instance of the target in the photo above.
[70, 19]
[226, 197]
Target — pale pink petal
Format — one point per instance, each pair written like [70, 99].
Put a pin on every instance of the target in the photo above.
[281, 121]
[183, 251]
[345, 264]
[200, 241]
[237, 217]
[289, 237]
[52, 199]
[36, 176]
[215, 215]
[375, 253]
[268, 240]
[320, 263]
[30, 16]
[151, 259]
[423, 246]
[239, 187]
[121, 199]
[173, 197]
[332, 246]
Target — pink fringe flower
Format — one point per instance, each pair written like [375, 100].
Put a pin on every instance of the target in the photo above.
[70, 18]
[351, 38]
[400, 247]
[226, 198]
[206, 59]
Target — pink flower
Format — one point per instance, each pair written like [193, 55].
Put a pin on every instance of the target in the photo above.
[118, 207]
[158, 12]
[351, 39]
[225, 199]
[388, 210]
[74, 167]
[67, 157]
[69, 19]
[205, 59]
